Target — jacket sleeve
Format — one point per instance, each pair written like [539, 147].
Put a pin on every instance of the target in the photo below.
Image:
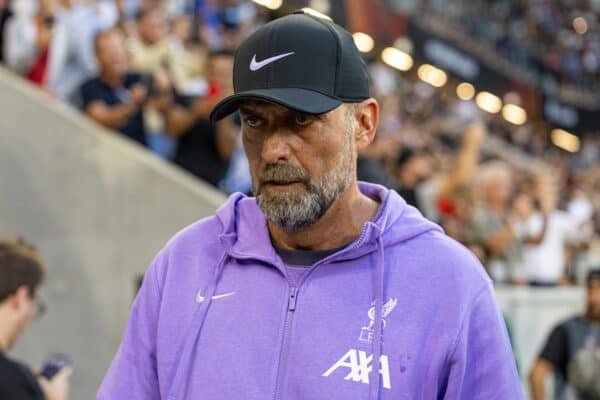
[482, 364]
[133, 372]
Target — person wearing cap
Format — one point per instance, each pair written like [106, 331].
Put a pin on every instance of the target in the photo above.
[319, 287]
[570, 353]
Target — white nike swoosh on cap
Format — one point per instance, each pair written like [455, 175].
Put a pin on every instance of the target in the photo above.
[256, 65]
[200, 298]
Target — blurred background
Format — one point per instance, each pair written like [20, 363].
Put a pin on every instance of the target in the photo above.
[490, 125]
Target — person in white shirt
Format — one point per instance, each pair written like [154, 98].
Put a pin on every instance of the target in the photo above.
[544, 259]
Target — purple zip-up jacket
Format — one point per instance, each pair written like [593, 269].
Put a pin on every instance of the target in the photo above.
[217, 317]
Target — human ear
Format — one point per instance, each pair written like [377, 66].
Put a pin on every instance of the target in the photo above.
[19, 298]
[366, 116]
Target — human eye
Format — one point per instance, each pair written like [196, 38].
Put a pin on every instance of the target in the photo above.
[253, 121]
[303, 119]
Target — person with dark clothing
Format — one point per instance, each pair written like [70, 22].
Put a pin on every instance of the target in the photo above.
[115, 98]
[413, 167]
[371, 169]
[21, 275]
[197, 153]
[205, 148]
[95, 90]
[570, 352]
[5, 14]
[17, 381]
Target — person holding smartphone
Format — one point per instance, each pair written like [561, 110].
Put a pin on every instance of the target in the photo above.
[22, 273]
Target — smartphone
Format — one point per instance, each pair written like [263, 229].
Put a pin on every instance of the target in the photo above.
[53, 364]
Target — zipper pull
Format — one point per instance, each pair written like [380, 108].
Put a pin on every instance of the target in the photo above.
[292, 299]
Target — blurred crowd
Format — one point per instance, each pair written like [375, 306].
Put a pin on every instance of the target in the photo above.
[153, 70]
[562, 36]
[527, 209]
[150, 69]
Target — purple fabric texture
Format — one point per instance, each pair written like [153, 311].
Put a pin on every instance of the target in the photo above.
[216, 317]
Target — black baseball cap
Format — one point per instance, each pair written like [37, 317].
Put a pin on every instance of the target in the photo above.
[299, 61]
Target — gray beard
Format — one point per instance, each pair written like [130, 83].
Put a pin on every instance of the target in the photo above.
[303, 206]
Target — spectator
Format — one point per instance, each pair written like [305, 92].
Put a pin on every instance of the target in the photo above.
[490, 222]
[226, 22]
[204, 148]
[150, 49]
[150, 53]
[186, 65]
[81, 22]
[414, 166]
[541, 33]
[434, 194]
[371, 164]
[5, 15]
[22, 273]
[116, 96]
[36, 47]
[570, 352]
[548, 230]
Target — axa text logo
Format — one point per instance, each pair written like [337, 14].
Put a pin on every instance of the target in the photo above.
[358, 366]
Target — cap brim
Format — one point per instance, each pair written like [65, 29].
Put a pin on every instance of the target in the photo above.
[304, 100]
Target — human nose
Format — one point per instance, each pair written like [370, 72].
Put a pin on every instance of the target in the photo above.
[276, 147]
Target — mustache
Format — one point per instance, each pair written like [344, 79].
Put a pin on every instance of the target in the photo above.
[282, 173]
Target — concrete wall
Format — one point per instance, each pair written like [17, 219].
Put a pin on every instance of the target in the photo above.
[99, 208]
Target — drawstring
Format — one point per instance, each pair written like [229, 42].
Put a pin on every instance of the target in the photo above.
[375, 379]
[193, 334]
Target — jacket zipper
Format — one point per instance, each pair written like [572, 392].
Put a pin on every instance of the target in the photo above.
[292, 299]
[282, 367]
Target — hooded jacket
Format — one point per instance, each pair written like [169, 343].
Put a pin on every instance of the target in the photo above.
[218, 318]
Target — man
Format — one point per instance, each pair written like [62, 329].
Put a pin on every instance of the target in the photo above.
[548, 232]
[150, 52]
[81, 23]
[320, 287]
[36, 46]
[150, 48]
[205, 148]
[413, 167]
[115, 98]
[21, 275]
[569, 345]
[492, 225]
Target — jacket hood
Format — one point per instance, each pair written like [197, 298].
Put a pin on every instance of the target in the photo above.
[246, 235]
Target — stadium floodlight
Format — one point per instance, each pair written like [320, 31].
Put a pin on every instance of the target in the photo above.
[432, 75]
[465, 91]
[514, 114]
[315, 13]
[565, 140]
[270, 4]
[397, 59]
[488, 102]
[580, 25]
[364, 42]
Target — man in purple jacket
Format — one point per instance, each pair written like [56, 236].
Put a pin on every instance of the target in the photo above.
[320, 287]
